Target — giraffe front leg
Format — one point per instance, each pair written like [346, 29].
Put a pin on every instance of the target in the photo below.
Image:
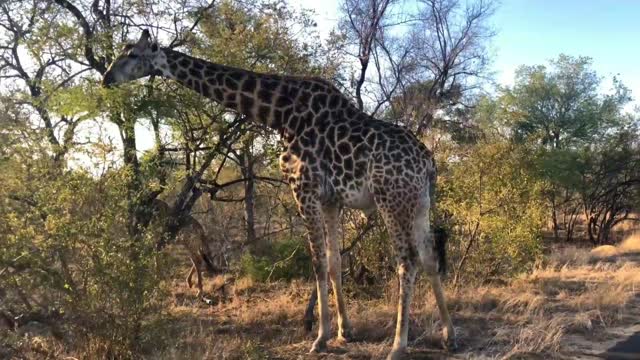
[313, 220]
[332, 226]
[320, 269]
[406, 275]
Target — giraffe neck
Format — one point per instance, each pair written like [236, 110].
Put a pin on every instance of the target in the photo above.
[233, 88]
[246, 92]
[287, 104]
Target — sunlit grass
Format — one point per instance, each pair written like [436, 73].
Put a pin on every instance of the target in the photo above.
[576, 297]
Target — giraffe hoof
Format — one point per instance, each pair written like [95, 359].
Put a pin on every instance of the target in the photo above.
[207, 300]
[450, 344]
[346, 336]
[341, 340]
[319, 346]
[308, 325]
[397, 354]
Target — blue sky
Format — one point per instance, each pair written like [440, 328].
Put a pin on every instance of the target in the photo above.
[533, 31]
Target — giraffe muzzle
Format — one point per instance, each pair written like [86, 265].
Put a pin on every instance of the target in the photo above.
[108, 80]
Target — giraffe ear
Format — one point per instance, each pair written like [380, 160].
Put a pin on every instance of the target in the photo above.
[145, 40]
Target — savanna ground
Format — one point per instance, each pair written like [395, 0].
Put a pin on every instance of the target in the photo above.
[575, 305]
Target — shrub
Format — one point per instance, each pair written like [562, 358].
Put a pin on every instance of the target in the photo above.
[495, 209]
[67, 251]
[284, 260]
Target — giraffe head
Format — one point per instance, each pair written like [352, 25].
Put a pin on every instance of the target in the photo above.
[134, 61]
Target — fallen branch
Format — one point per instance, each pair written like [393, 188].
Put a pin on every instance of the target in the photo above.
[283, 261]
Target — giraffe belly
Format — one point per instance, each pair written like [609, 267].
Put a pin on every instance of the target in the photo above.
[360, 198]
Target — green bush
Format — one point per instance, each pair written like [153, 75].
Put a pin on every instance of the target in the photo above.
[64, 240]
[284, 260]
[496, 211]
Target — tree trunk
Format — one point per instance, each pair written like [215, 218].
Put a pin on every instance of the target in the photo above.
[460, 266]
[591, 231]
[249, 208]
[139, 214]
[571, 224]
[554, 217]
[249, 197]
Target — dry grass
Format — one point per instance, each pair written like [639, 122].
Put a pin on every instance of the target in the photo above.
[535, 316]
[568, 306]
[631, 243]
[605, 251]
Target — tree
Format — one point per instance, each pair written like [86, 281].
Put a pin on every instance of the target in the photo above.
[34, 68]
[259, 37]
[562, 109]
[561, 105]
[424, 60]
[450, 57]
[491, 200]
[602, 180]
[66, 259]
[611, 184]
[364, 27]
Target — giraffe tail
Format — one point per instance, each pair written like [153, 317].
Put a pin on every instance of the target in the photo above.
[440, 236]
[440, 233]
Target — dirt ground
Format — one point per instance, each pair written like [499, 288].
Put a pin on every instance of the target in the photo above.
[580, 304]
[577, 306]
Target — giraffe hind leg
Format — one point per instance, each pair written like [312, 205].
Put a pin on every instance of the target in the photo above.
[406, 274]
[431, 264]
[308, 314]
[397, 217]
[448, 332]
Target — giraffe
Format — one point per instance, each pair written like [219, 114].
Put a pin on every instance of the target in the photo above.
[335, 156]
[192, 236]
